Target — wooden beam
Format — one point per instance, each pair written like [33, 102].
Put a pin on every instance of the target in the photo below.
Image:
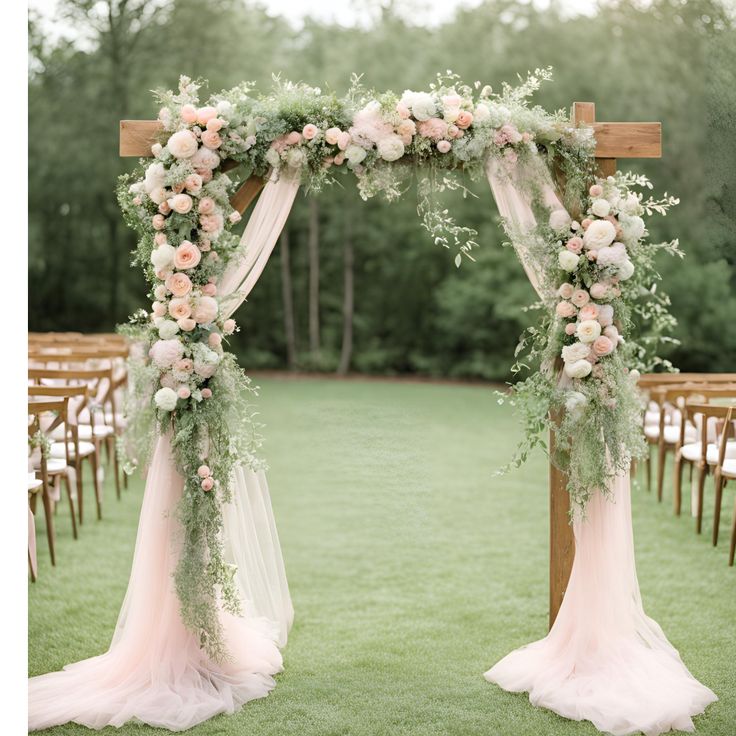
[628, 140]
[137, 136]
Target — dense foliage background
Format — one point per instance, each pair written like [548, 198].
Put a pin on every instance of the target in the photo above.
[411, 310]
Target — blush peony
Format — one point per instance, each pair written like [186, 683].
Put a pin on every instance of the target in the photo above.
[183, 144]
[164, 353]
[559, 220]
[205, 310]
[599, 234]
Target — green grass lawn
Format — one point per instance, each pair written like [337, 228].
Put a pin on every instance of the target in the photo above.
[412, 568]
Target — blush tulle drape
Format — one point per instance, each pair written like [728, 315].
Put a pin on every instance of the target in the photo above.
[154, 671]
[604, 660]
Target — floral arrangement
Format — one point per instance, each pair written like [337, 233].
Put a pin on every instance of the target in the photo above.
[186, 386]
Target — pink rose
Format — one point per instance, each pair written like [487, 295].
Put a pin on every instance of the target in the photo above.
[186, 324]
[452, 100]
[183, 392]
[203, 471]
[602, 346]
[575, 245]
[565, 310]
[208, 484]
[215, 124]
[193, 183]
[589, 311]
[605, 315]
[591, 357]
[205, 310]
[189, 114]
[294, 138]
[206, 206]
[206, 393]
[209, 290]
[212, 223]
[403, 110]
[343, 141]
[179, 309]
[435, 129]
[211, 139]
[181, 203]
[586, 223]
[580, 297]
[611, 332]
[464, 119]
[570, 328]
[228, 326]
[158, 221]
[339, 158]
[159, 238]
[565, 291]
[158, 309]
[214, 339]
[596, 190]
[310, 131]
[164, 208]
[599, 290]
[165, 353]
[444, 146]
[179, 284]
[185, 365]
[331, 136]
[205, 114]
[187, 256]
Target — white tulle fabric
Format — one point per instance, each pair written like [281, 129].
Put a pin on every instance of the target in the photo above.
[154, 670]
[604, 660]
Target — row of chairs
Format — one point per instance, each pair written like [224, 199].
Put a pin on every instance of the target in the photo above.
[76, 386]
[691, 418]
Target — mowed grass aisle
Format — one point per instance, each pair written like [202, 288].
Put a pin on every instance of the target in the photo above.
[412, 568]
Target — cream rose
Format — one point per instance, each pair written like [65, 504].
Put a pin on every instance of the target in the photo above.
[390, 148]
[163, 256]
[588, 330]
[578, 369]
[567, 260]
[167, 329]
[599, 234]
[575, 352]
[600, 207]
[155, 177]
[183, 144]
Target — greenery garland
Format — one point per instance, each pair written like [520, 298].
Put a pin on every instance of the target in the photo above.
[183, 382]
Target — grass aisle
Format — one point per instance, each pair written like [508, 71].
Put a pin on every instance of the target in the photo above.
[412, 569]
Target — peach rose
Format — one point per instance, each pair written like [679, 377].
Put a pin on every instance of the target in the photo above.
[586, 223]
[187, 256]
[339, 158]
[186, 324]
[565, 291]
[181, 203]
[206, 206]
[212, 223]
[599, 290]
[158, 222]
[185, 365]
[464, 119]
[164, 208]
[214, 339]
[215, 124]
[208, 484]
[575, 245]
[206, 393]
[179, 309]
[159, 238]
[209, 290]
[205, 114]
[183, 392]
[570, 328]
[205, 310]
[158, 309]
[565, 310]
[293, 138]
[179, 284]
[193, 183]
[310, 131]
[203, 471]
[602, 346]
[343, 141]
[589, 311]
[580, 297]
[228, 326]
[331, 136]
[211, 139]
[189, 114]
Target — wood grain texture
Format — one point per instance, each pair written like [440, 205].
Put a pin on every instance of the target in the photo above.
[628, 140]
[137, 136]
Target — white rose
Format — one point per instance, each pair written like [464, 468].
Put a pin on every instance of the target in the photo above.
[296, 158]
[632, 227]
[588, 330]
[167, 329]
[599, 234]
[579, 369]
[423, 106]
[183, 144]
[155, 176]
[391, 148]
[481, 113]
[568, 260]
[626, 270]
[612, 255]
[355, 154]
[163, 256]
[575, 403]
[272, 158]
[574, 353]
[224, 108]
[600, 207]
[205, 158]
[165, 399]
[559, 220]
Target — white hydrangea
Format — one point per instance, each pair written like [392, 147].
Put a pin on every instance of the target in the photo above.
[155, 177]
[390, 148]
[575, 403]
[575, 352]
[568, 260]
[165, 399]
[422, 104]
[612, 255]
[167, 329]
[631, 205]
[481, 113]
[632, 228]
[163, 256]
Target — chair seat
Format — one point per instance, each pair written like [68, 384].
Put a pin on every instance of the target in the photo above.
[119, 419]
[651, 417]
[53, 465]
[34, 484]
[85, 448]
[729, 468]
[85, 432]
[651, 431]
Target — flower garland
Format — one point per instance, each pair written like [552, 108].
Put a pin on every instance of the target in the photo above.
[183, 381]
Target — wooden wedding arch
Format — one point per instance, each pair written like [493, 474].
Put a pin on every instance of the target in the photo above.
[613, 141]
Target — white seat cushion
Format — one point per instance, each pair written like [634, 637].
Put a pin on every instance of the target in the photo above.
[652, 431]
[692, 451]
[651, 417]
[35, 484]
[53, 465]
[85, 432]
[119, 419]
[672, 434]
[729, 468]
[85, 448]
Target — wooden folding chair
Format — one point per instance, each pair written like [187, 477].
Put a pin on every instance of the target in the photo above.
[725, 470]
[36, 409]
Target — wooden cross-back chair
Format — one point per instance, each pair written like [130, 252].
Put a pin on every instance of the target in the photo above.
[37, 409]
[80, 384]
